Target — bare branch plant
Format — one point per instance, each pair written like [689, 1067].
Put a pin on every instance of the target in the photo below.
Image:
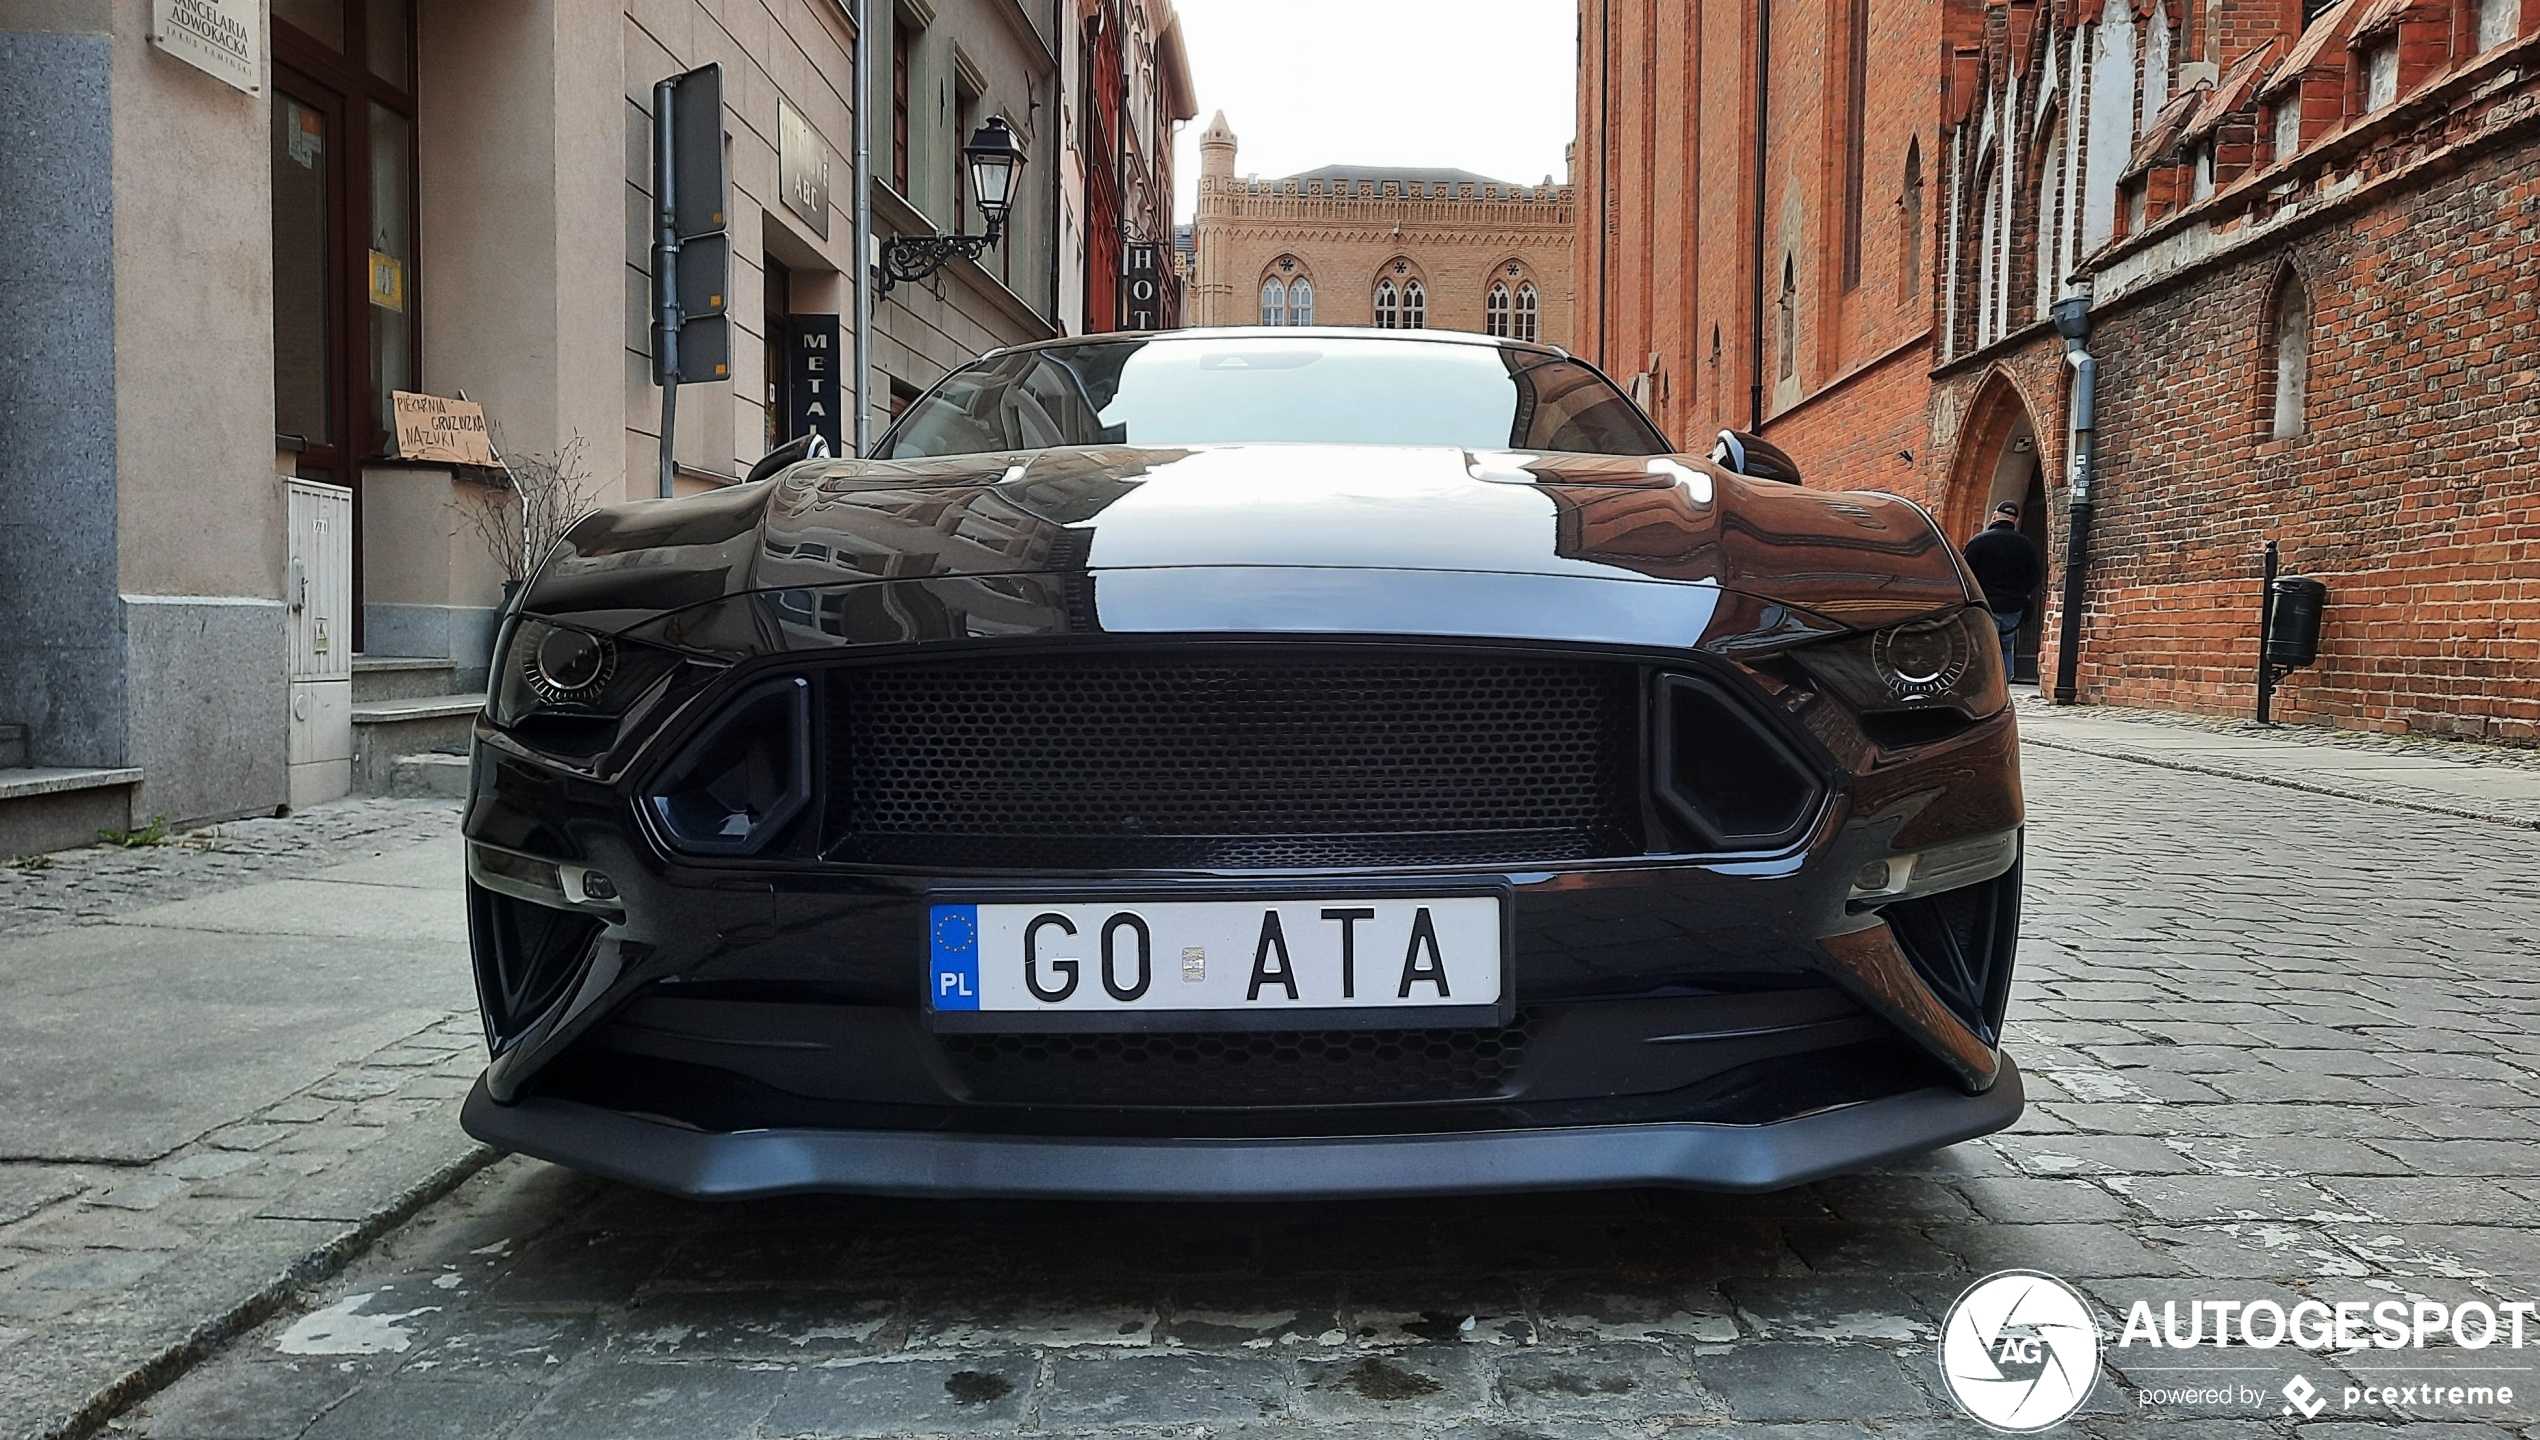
[520, 521]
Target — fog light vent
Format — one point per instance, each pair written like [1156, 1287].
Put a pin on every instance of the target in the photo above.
[1722, 773]
[744, 778]
[1962, 942]
[527, 958]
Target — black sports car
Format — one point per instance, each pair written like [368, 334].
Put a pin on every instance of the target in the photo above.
[1245, 763]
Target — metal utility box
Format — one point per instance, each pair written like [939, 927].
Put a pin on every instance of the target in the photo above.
[318, 625]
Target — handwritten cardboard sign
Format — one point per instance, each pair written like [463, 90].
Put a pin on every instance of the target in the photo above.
[441, 431]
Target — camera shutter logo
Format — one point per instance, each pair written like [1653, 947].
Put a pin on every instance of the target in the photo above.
[2020, 1350]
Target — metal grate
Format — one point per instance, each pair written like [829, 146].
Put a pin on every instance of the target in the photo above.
[1256, 762]
[1267, 1069]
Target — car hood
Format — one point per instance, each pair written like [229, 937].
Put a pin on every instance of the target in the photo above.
[1665, 549]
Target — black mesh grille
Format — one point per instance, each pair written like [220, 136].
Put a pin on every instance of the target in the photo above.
[1257, 762]
[1290, 1068]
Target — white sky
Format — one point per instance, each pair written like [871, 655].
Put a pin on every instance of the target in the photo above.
[1481, 85]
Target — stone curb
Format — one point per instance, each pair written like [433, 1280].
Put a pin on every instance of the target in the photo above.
[2313, 787]
[312, 1268]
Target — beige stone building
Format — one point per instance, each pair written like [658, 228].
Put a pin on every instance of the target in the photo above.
[235, 228]
[1392, 248]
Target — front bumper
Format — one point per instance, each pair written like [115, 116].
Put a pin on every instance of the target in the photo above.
[1689, 1155]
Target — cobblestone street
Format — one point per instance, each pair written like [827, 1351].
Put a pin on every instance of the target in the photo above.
[2280, 1044]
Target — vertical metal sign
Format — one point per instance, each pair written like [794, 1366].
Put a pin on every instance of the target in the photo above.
[813, 398]
[692, 256]
[1141, 287]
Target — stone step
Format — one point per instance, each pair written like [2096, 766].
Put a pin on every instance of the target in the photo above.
[56, 807]
[402, 677]
[386, 730]
[429, 774]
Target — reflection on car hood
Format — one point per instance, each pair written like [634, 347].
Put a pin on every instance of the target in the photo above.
[1255, 537]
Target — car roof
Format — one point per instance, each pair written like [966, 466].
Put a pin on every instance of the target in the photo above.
[1288, 332]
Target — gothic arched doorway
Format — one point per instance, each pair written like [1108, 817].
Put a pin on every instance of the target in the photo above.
[1999, 461]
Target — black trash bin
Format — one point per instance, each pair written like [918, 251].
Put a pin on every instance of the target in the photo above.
[2293, 628]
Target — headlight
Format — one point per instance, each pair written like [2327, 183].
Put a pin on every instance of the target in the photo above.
[547, 671]
[1951, 663]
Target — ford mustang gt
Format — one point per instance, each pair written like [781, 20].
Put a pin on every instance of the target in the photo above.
[1240, 763]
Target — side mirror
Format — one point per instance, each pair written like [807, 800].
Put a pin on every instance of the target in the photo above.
[814, 446]
[1755, 457]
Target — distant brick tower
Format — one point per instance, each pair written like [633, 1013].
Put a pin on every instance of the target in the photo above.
[1212, 293]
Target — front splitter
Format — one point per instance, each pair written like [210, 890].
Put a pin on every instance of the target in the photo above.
[753, 1163]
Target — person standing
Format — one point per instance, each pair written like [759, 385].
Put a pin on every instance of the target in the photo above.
[2006, 564]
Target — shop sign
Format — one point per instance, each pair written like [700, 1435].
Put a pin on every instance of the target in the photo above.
[802, 169]
[441, 431]
[1141, 287]
[223, 38]
[812, 396]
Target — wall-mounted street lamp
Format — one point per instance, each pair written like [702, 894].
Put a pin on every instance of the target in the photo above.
[993, 158]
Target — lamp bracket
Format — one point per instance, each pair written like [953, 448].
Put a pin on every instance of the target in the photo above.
[910, 258]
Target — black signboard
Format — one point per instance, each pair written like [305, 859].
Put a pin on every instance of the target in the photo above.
[813, 401]
[1141, 287]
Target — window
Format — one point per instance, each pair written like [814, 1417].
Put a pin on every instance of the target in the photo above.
[1909, 226]
[2285, 378]
[1529, 313]
[1388, 306]
[1495, 311]
[1169, 390]
[1301, 302]
[966, 118]
[1788, 320]
[2496, 22]
[1855, 132]
[903, 57]
[1274, 301]
[2381, 75]
[1415, 306]
[343, 198]
[2050, 187]
[1988, 250]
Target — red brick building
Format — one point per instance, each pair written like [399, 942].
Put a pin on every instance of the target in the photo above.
[2309, 248]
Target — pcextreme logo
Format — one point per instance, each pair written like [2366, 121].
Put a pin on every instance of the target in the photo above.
[2019, 1351]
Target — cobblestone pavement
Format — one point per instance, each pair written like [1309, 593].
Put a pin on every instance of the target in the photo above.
[214, 1087]
[2280, 1046]
[99, 882]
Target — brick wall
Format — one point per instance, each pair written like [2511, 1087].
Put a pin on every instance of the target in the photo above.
[2413, 491]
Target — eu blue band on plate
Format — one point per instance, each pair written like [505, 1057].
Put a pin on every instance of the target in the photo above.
[953, 932]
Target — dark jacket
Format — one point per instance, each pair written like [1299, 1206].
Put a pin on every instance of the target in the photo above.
[2006, 565]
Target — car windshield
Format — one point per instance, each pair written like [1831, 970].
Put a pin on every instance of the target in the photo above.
[1274, 389]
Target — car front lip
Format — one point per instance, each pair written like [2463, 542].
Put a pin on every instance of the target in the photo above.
[1690, 1155]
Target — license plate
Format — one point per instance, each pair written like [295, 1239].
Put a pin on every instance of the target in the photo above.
[1351, 960]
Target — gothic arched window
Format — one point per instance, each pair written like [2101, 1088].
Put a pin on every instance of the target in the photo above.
[1495, 311]
[1789, 320]
[1909, 226]
[1301, 302]
[1529, 313]
[1274, 301]
[1388, 306]
[2285, 357]
[1415, 306]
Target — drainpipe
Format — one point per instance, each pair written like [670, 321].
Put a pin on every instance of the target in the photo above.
[1763, 110]
[2072, 321]
[860, 230]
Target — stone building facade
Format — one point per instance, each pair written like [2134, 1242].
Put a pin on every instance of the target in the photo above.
[214, 273]
[1391, 248]
[2299, 245]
